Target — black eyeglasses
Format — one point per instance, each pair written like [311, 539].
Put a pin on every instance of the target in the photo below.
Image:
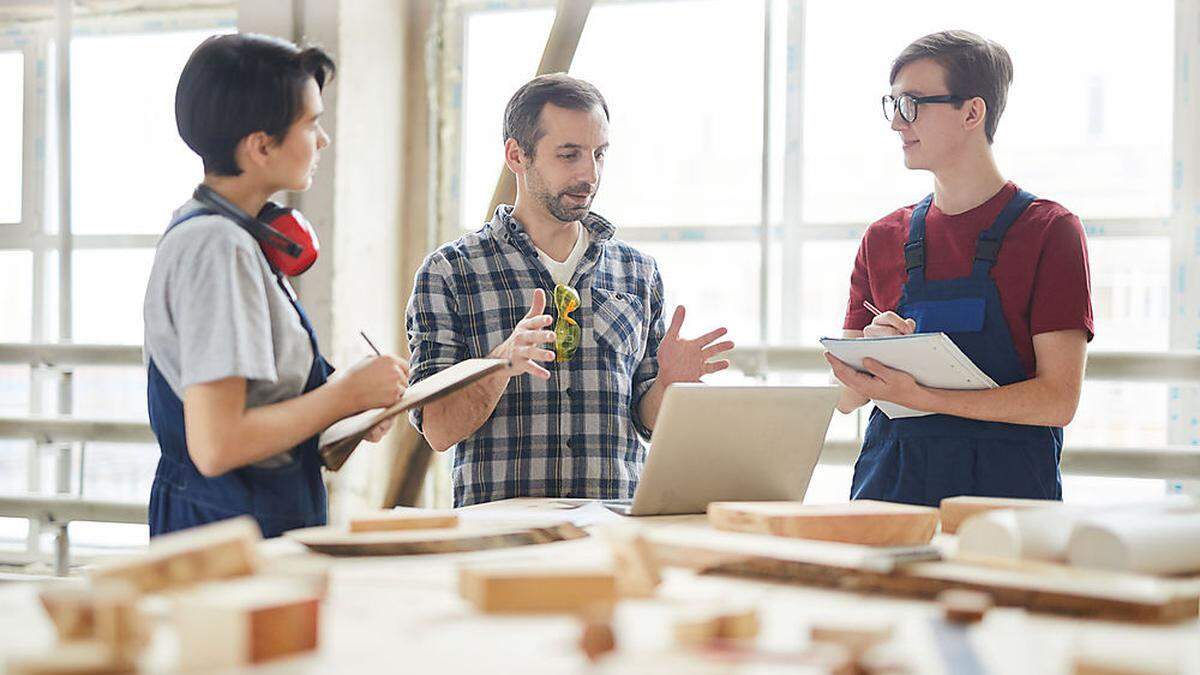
[906, 105]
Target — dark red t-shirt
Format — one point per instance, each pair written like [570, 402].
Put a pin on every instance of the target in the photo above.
[1041, 271]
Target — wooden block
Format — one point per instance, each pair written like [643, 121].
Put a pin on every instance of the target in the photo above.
[738, 625]
[638, 572]
[963, 606]
[118, 623]
[217, 551]
[865, 522]
[82, 657]
[954, 510]
[597, 639]
[536, 590]
[232, 623]
[475, 536]
[857, 638]
[71, 609]
[697, 630]
[401, 518]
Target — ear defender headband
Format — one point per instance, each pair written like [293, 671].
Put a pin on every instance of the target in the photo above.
[286, 237]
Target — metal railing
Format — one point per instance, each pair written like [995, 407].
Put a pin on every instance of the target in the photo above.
[1182, 462]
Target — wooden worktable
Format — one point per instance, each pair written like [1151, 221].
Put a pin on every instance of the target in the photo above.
[403, 614]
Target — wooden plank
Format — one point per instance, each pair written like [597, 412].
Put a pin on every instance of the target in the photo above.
[476, 536]
[71, 608]
[216, 551]
[525, 589]
[866, 522]
[233, 623]
[403, 519]
[1041, 587]
[954, 510]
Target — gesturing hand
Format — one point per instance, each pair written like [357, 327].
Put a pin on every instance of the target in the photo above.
[523, 347]
[681, 360]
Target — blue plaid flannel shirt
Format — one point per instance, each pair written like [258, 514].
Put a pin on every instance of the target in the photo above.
[576, 435]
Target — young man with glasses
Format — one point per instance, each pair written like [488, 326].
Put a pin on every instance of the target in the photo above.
[1003, 273]
[600, 355]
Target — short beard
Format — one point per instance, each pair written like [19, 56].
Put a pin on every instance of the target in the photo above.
[554, 203]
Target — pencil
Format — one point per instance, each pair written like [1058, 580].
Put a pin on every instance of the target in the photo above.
[372, 344]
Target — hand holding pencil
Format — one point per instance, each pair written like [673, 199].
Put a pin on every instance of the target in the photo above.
[887, 323]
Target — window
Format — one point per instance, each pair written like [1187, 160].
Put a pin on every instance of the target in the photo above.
[129, 168]
[1068, 131]
[12, 114]
[683, 180]
[129, 172]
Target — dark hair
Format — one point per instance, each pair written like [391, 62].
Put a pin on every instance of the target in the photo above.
[236, 85]
[975, 67]
[524, 109]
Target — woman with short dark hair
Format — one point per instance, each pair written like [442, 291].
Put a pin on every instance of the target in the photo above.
[237, 388]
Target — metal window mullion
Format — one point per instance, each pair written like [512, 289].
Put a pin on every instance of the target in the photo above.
[33, 215]
[793, 174]
[764, 272]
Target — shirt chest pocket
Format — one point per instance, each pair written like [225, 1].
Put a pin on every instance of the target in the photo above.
[618, 319]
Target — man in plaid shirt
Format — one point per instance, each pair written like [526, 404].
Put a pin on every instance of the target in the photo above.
[572, 429]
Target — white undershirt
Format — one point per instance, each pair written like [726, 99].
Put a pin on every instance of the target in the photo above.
[562, 272]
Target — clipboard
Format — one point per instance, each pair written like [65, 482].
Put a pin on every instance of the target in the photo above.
[340, 439]
[932, 358]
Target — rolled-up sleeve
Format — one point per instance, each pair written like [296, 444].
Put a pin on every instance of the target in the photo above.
[647, 370]
[434, 335]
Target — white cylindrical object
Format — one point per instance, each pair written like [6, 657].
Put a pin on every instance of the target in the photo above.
[1161, 543]
[992, 533]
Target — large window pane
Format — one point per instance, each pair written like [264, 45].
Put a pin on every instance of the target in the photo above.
[14, 390]
[12, 90]
[1069, 131]
[726, 295]
[110, 312]
[110, 393]
[16, 289]
[130, 169]
[1130, 293]
[686, 126]
[686, 119]
[14, 458]
[494, 66]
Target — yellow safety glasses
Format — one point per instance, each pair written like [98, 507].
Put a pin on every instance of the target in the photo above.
[567, 333]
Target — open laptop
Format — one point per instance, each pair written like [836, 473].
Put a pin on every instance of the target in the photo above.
[731, 443]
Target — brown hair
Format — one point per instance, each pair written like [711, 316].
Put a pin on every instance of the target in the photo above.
[524, 109]
[975, 67]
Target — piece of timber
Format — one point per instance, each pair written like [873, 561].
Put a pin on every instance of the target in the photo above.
[219, 550]
[638, 573]
[524, 589]
[866, 522]
[1035, 586]
[403, 518]
[474, 536]
[954, 510]
[71, 607]
[231, 623]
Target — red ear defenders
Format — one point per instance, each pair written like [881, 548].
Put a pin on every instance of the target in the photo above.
[287, 239]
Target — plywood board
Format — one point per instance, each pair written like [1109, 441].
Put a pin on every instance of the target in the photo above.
[473, 536]
[866, 522]
[1040, 587]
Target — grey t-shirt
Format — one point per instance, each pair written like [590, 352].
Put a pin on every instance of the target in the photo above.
[214, 309]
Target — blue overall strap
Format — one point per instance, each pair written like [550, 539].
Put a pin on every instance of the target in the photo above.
[188, 216]
[987, 249]
[914, 249]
